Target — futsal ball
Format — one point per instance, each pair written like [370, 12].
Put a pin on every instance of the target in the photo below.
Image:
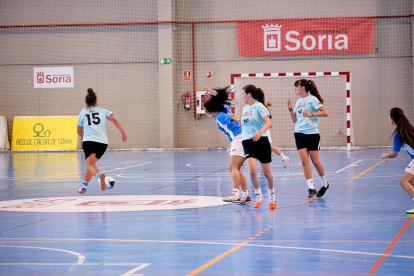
[109, 182]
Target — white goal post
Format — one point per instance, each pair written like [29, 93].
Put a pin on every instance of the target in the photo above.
[335, 89]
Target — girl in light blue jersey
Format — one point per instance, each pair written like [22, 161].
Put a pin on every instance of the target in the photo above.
[403, 136]
[255, 121]
[218, 108]
[91, 129]
[306, 115]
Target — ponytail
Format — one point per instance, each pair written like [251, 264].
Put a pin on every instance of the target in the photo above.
[402, 126]
[90, 98]
[257, 94]
[310, 87]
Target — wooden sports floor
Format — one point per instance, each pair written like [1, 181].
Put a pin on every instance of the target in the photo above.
[165, 216]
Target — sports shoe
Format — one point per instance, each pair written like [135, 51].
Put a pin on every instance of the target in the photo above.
[245, 201]
[232, 198]
[285, 162]
[410, 211]
[272, 204]
[102, 182]
[258, 202]
[322, 191]
[82, 189]
[312, 193]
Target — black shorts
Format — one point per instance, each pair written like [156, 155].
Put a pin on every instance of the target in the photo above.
[307, 141]
[259, 150]
[90, 147]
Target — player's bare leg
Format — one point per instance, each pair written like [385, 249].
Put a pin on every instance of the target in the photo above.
[93, 169]
[407, 182]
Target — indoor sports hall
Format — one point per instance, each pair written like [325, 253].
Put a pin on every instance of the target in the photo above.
[149, 62]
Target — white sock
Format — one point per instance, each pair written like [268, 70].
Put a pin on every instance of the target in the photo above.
[236, 192]
[258, 191]
[271, 193]
[413, 198]
[310, 183]
[245, 194]
[324, 182]
[282, 156]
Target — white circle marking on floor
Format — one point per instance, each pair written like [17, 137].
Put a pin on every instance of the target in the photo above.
[115, 203]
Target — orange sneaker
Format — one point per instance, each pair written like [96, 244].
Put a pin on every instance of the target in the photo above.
[258, 202]
[272, 204]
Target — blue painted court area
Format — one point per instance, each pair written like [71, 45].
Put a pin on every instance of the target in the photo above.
[165, 216]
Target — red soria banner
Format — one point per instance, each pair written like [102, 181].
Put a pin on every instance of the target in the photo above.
[319, 36]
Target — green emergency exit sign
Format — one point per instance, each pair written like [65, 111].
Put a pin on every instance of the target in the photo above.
[165, 61]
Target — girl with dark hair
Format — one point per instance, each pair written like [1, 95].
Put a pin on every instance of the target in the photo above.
[403, 136]
[255, 121]
[91, 129]
[306, 115]
[218, 108]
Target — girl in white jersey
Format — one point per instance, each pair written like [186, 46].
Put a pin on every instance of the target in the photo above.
[218, 108]
[255, 121]
[306, 115]
[403, 136]
[91, 129]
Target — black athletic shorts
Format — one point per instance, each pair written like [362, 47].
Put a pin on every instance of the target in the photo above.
[259, 150]
[90, 147]
[307, 141]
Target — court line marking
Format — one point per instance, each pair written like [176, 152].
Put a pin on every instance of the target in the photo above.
[352, 165]
[364, 172]
[222, 243]
[98, 265]
[244, 166]
[72, 173]
[377, 265]
[133, 166]
[215, 260]
[135, 269]
[196, 166]
[84, 264]
[186, 180]
[40, 240]
[336, 224]
[81, 258]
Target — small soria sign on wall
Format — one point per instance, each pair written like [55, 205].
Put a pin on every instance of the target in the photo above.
[53, 77]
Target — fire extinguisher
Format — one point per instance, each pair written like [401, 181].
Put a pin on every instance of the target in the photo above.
[186, 98]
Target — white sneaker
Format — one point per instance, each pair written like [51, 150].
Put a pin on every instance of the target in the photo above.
[82, 189]
[232, 198]
[258, 202]
[285, 162]
[245, 201]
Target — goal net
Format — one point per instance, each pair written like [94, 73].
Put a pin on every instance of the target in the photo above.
[334, 87]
